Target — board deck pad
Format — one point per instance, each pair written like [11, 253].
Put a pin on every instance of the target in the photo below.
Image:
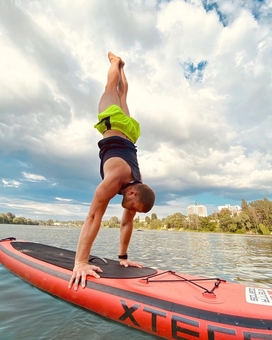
[65, 259]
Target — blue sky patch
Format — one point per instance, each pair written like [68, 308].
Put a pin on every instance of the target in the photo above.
[213, 6]
[194, 72]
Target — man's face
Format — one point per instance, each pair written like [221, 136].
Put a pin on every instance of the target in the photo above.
[132, 204]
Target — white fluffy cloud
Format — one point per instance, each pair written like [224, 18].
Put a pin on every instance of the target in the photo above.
[33, 177]
[11, 184]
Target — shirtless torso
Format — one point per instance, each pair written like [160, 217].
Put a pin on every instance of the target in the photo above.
[110, 133]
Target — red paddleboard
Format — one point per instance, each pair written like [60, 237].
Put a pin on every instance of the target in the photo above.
[164, 303]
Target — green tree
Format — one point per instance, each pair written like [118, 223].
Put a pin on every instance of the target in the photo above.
[50, 222]
[232, 227]
[155, 224]
[147, 219]
[138, 224]
[176, 220]
[264, 230]
[208, 223]
[193, 222]
[3, 219]
[33, 222]
[242, 222]
[137, 219]
[262, 212]
[10, 217]
[19, 220]
[244, 206]
[114, 222]
[225, 220]
[153, 217]
[254, 218]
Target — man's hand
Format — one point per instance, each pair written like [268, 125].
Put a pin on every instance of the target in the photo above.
[80, 272]
[127, 263]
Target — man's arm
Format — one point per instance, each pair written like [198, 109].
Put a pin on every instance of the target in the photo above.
[125, 235]
[107, 189]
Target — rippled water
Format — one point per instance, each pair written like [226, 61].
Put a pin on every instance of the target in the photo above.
[27, 313]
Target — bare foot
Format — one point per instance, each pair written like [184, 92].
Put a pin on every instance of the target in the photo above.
[113, 58]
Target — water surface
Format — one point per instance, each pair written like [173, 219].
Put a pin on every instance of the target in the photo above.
[28, 313]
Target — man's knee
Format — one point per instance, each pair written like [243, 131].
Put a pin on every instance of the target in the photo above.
[110, 87]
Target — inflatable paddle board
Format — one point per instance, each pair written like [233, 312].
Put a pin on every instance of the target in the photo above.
[167, 304]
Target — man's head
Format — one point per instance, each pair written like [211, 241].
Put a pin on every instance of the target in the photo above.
[138, 197]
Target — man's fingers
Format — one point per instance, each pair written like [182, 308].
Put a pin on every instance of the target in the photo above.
[77, 279]
[80, 276]
[139, 265]
[126, 263]
[98, 269]
[94, 270]
[96, 275]
[71, 281]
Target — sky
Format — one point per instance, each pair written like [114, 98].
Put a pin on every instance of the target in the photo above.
[200, 81]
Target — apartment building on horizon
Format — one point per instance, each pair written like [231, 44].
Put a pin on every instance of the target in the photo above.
[197, 209]
[234, 209]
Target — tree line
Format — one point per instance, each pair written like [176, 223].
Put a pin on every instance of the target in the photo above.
[10, 218]
[253, 218]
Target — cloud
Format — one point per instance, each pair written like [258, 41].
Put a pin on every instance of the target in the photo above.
[44, 210]
[11, 184]
[200, 81]
[63, 199]
[33, 177]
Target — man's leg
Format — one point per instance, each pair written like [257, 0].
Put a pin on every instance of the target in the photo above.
[123, 90]
[111, 96]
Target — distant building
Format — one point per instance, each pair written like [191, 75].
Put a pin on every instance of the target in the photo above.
[234, 209]
[197, 209]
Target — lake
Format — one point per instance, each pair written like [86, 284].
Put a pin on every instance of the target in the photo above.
[28, 313]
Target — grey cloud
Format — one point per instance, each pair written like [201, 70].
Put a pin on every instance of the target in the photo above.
[34, 113]
[55, 60]
[25, 118]
[129, 27]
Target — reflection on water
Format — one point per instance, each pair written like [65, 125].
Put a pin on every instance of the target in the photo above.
[27, 313]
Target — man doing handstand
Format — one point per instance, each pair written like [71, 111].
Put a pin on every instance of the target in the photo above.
[119, 171]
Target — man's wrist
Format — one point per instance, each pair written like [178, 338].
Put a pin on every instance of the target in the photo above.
[80, 262]
[123, 257]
